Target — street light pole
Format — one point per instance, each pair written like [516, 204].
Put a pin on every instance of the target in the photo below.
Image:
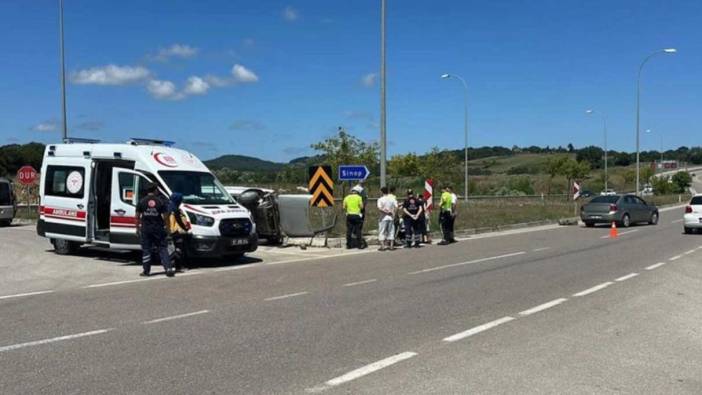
[638, 107]
[383, 122]
[465, 131]
[604, 128]
[63, 75]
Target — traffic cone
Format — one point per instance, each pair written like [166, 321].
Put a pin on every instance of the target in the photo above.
[613, 231]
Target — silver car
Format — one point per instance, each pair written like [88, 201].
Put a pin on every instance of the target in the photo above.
[622, 209]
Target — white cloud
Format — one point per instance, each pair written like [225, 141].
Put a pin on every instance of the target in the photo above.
[290, 14]
[368, 80]
[110, 75]
[165, 90]
[218, 82]
[196, 86]
[176, 50]
[242, 74]
[46, 126]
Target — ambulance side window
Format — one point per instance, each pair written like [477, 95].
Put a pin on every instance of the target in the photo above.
[65, 181]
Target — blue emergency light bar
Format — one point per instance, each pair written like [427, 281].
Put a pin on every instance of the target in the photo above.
[140, 141]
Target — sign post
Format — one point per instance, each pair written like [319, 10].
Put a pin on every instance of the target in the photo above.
[27, 176]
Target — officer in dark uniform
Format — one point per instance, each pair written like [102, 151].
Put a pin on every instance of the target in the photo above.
[151, 217]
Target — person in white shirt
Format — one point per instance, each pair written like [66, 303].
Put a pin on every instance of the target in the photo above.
[387, 205]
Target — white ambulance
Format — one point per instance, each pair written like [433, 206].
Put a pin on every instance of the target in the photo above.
[89, 191]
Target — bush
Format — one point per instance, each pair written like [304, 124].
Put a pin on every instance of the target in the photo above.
[681, 181]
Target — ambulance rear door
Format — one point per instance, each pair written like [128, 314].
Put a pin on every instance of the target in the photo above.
[65, 199]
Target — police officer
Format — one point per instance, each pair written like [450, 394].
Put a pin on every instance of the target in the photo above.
[413, 214]
[353, 207]
[151, 217]
[447, 215]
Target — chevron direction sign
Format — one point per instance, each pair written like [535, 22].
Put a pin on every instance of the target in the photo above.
[321, 186]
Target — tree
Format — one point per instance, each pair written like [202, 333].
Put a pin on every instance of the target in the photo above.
[574, 170]
[591, 154]
[570, 147]
[681, 181]
[346, 149]
[662, 185]
[404, 165]
[554, 166]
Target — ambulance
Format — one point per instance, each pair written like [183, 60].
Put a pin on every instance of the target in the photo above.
[89, 192]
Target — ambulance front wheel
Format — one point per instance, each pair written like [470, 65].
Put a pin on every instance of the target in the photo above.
[64, 247]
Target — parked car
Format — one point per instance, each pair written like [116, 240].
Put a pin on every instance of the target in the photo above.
[692, 219]
[8, 207]
[622, 209]
[608, 192]
[586, 193]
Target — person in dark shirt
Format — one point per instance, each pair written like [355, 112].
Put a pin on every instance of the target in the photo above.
[151, 217]
[413, 213]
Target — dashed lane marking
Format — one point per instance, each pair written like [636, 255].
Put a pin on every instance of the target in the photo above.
[541, 249]
[594, 289]
[542, 307]
[689, 252]
[53, 340]
[175, 317]
[492, 258]
[620, 233]
[286, 296]
[26, 294]
[675, 258]
[365, 370]
[655, 266]
[361, 282]
[676, 221]
[628, 276]
[478, 329]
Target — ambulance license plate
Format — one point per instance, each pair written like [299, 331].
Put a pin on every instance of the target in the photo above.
[240, 242]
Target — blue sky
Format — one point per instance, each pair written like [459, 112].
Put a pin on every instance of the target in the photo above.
[268, 78]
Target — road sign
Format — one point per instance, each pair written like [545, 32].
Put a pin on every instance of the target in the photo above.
[353, 172]
[321, 186]
[26, 175]
[576, 190]
[429, 193]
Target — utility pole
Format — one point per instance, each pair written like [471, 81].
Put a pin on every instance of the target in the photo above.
[383, 121]
[63, 75]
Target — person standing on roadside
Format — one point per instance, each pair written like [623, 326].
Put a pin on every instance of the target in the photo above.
[353, 207]
[151, 217]
[446, 215]
[454, 212]
[387, 205]
[363, 193]
[178, 229]
[413, 211]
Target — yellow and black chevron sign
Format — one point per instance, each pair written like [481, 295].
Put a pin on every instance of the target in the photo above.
[321, 186]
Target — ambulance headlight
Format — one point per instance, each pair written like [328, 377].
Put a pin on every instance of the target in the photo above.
[201, 220]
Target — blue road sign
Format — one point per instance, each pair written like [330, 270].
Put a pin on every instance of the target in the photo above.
[353, 172]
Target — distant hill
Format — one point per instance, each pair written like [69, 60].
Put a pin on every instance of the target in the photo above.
[243, 163]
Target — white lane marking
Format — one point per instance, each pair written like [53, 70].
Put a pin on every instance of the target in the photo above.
[286, 296]
[655, 266]
[675, 258]
[373, 367]
[26, 294]
[311, 258]
[492, 258]
[53, 340]
[628, 276]
[511, 232]
[541, 249]
[671, 208]
[689, 252]
[175, 317]
[676, 221]
[620, 233]
[123, 282]
[542, 307]
[478, 329]
[594, 289]
[361, 282]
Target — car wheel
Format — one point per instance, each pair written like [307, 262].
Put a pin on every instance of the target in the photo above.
[65, 247]
[626, 221]
[654, 219]
[589, 224]
[687, 230]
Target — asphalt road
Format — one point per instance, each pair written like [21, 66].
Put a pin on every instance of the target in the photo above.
[559, 310]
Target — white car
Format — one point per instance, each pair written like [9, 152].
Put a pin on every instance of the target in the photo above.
[692, 219]
[608, 192]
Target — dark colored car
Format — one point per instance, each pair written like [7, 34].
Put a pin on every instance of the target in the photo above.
[622, 209]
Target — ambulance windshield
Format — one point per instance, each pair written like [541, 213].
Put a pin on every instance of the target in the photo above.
[196, 187]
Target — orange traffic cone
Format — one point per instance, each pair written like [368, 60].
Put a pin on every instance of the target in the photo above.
[613, 231]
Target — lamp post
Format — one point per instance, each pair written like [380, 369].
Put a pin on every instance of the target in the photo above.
[465, 130]
[63, 75]
[604, 128]
[638, 107]
[383, 121]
